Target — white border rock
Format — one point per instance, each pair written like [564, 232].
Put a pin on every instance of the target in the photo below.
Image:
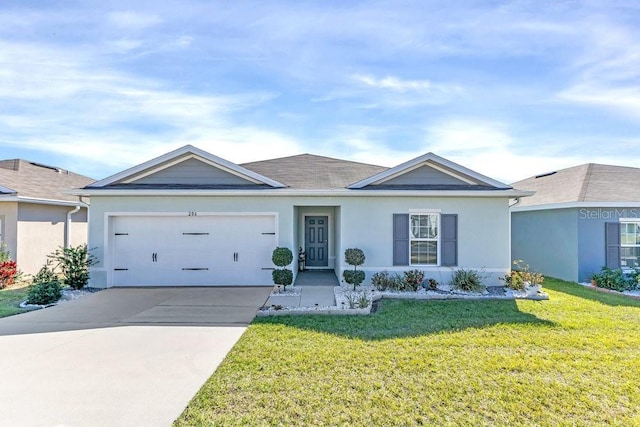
[67, 295]
[342, 295]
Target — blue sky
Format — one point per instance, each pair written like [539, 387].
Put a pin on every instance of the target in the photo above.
[509, 89]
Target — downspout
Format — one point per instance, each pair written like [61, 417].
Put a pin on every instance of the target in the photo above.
[517, 202]
[67, 230]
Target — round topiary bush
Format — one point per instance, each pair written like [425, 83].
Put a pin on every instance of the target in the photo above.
[282, 257]
[282, 277]
[354, 256]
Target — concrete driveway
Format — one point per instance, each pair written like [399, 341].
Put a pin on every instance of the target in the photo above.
[120, 357]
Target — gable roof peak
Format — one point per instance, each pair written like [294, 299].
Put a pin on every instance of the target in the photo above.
[432, 160]
[181, 154]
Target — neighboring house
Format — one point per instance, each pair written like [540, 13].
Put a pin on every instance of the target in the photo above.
[36, 215]
[579, 220]
[191, 218]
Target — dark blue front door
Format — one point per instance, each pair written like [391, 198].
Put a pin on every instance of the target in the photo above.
[316, 241]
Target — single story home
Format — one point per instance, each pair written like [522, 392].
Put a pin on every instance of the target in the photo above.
[191, 218]
[580, 219]
[36, 215]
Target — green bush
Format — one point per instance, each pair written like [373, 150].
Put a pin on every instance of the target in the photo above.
[74, 264]
[616, 279]
[467, 281]
[282, 277]
[413, 279]
[282, 257]
[354, 256]
[381, 280]
[45, 288]
[353, 277]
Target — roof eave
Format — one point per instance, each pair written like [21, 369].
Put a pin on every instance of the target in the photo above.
[506, 193]
[579, 205]
[39, 201]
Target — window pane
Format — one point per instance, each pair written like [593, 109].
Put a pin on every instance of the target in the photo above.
[424, 227]
[627, 234]
[630, 257]
[630, 233]
[424, 253]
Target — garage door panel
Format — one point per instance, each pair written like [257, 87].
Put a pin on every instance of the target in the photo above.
[203, 250]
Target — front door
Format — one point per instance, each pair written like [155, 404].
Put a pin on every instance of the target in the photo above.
[316, 241]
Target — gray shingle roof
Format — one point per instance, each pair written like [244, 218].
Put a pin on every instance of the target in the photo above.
[34, 180]
[590, 182]
[307, 171]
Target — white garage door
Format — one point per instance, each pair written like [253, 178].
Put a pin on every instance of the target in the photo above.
[193, 250]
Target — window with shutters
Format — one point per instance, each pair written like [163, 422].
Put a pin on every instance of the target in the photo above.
[629, 244]
[424, 238]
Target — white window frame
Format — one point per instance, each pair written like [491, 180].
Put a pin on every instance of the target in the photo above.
[624, 222]
[437, 239]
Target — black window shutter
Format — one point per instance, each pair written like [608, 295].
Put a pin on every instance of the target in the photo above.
[612, 244]
[449, 242]
[400, 239]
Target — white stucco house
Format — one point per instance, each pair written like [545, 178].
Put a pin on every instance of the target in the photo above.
[37, 215]
[191, 218]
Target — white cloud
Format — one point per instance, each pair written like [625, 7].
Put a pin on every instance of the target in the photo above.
[454, 136]
[133, 20]
[394, 83]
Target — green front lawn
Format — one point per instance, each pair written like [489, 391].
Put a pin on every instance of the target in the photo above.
[11, 298]
[572, 360]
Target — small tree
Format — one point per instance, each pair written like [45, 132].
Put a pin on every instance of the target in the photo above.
[282, 257]
[355, 257]
[74, 264]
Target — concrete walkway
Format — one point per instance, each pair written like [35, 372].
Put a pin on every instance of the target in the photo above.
[316, 290]
[119, 357]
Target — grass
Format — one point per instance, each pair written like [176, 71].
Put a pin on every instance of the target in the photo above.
[10, 299]
[572, 360]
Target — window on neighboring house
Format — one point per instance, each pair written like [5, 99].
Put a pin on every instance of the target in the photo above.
[630, 244]
[423, 238]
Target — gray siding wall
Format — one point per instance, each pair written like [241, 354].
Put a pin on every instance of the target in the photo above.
[193, 171]
[547, 241]
[591, 241]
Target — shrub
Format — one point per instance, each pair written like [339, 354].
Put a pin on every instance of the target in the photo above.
[363, 301]
[616, 279]
[8, 273]
[521, 275]
[467, 281]
[8, 267]
[282, 277]
[381, 280]
[355, 257]
[353, 277]
[413, 279]
[282, 257]
[397, 283]
[45, 289]
[74, 264]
